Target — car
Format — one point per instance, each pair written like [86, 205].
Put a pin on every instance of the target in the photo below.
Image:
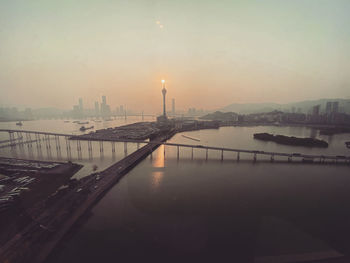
[341, 157]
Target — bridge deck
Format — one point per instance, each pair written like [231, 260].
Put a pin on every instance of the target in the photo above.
[257, 152]
[37, 132]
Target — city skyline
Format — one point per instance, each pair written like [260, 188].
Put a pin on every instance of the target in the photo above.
[246, 52]
[174, 131]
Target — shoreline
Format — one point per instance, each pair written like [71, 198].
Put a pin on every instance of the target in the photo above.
[78, 200]
[62, 215]
[344, 129]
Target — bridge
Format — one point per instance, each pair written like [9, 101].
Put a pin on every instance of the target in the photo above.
[46, 137]
[71, 206]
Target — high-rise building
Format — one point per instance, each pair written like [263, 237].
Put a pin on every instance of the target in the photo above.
[192, 111]
[335, 107]
[97, 108]
[76, 111]
[81, 105]
[121, 109]
[328, 107]
[316, 110]
[105, 109]
[173, 106]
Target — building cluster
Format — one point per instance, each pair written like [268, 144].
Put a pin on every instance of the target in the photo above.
[9, 114]
[191, 125]
[194, 112]
[135, 131]
[328, 115]
[268, 117]
[316, 115]
[101, 109]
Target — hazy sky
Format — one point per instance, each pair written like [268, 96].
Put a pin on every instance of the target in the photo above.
[211, 53]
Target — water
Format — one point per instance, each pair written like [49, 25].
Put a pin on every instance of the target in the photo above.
[169, 210]
[100, 159]
[60, 126]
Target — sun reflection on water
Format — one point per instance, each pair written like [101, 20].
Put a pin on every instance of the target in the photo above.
[158, 164]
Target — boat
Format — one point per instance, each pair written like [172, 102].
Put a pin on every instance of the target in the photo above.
[191, 138]
[19, 123]
[83, 122]
[291, 140]
[308, 160]
[83, 128]
[347, 144]
[66, 121]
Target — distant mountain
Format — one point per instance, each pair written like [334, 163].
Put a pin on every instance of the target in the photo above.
[304, 106]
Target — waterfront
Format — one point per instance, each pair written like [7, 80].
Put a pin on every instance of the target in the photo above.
[211, 210]
[170, 210]
[101, 160]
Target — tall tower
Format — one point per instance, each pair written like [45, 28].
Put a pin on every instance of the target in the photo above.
[164, 93]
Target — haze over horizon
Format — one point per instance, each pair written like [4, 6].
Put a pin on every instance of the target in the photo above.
[210, 54]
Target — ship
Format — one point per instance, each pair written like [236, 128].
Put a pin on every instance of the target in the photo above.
[19, 123]
[294, 141]
[83, 128]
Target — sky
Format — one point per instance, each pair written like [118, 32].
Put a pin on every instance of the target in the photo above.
[210, 53]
